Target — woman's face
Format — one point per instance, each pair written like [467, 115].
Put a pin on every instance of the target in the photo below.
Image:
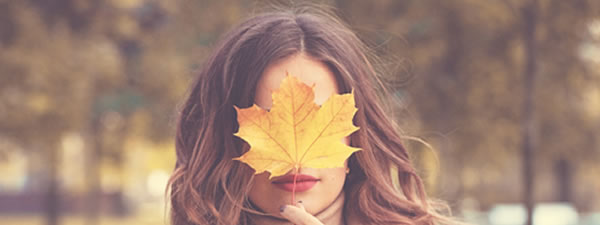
[269, 196]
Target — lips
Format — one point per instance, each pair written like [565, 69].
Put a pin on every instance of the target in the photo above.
[303, 182]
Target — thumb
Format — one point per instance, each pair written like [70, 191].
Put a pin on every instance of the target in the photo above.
[298, 216]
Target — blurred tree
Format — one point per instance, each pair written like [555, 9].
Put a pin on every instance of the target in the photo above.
[86, 66]
[458, 69]
[473, 61]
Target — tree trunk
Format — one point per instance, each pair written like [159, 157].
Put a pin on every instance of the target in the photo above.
[529, 16]
[52, 204]
[92, 166]
[562, 169]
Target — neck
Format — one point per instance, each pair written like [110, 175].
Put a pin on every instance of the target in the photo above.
[332, 215]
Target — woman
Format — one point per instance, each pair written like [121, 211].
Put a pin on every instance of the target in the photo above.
[208, 187]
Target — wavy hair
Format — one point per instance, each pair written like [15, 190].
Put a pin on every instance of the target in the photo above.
[207, 187]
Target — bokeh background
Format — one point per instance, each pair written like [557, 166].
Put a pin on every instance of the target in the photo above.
[499, 99]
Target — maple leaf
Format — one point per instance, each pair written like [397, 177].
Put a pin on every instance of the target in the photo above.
[296, 132]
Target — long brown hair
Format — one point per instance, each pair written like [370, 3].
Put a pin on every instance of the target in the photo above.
[208, 187]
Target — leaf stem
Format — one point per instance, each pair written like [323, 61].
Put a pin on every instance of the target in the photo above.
[294, 186]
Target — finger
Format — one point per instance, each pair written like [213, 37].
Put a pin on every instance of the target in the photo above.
[300, 205]
[298, 215]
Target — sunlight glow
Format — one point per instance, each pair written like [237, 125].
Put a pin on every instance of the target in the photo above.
[156, 182]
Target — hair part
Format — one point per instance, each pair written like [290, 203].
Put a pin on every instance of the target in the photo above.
[207, 187]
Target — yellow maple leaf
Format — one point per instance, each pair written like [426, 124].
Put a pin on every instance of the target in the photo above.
[296, 132]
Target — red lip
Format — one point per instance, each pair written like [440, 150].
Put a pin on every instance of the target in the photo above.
[303, 182]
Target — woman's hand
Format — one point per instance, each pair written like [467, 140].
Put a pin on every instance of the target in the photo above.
[298, 215]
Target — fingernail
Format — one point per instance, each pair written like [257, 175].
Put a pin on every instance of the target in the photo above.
[282, 208]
